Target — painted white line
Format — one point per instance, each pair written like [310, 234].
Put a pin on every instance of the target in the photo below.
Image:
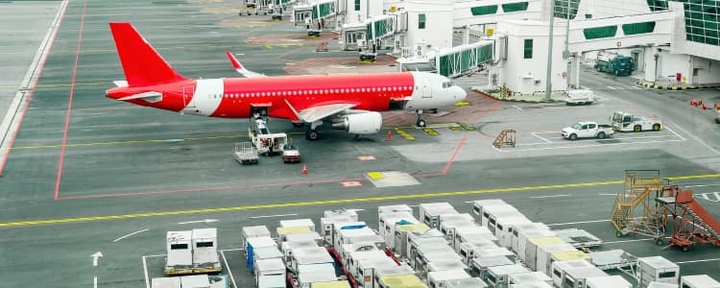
[698, 261]
[578, 222]
[588, 146]
[611, 88]
[154, 256]
[627, 241]
[147, 280]
[233, 249]
[673, 131]
[271, 216]
[697, 139]
[131, 234]
[607, 194]
[95, 282]
[232, 278]
[693, 186]
[548, 196]
[516, 107]
[541, 138]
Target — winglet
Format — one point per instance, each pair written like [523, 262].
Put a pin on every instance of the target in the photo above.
[240, 69]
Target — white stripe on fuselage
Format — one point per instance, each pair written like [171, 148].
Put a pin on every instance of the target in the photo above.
[207, 97]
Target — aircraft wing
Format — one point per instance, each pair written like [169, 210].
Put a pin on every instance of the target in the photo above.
[240, 69]
[319, 112]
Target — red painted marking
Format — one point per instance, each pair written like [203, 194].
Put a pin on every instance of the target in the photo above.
[491, 109]
[32, 92]
[452, 158]
[70, 100]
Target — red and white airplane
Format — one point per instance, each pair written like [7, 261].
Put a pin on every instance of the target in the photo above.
[351, 102]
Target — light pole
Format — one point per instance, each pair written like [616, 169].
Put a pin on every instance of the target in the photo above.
[548, 82]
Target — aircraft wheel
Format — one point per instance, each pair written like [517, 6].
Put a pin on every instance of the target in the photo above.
[312, 135]
[421, 123]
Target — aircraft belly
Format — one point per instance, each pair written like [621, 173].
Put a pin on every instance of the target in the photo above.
[208, 96]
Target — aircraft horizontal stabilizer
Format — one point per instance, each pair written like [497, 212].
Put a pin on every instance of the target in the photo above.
[151, 96]
[240, 69]
[120, 83]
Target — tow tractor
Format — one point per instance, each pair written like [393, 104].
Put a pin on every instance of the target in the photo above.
[622, 121]
[266, 143]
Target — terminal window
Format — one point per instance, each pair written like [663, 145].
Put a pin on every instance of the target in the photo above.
[357, 5]
[528, 49]
[421, 21]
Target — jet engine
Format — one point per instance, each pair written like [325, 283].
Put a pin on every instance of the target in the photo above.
[359, 123]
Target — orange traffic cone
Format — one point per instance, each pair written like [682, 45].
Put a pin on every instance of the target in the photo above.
[717, 106]
[304, 171]
[389, 135]
[703, 106]
[693, 102]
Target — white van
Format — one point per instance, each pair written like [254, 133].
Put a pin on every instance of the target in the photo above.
[582, 96]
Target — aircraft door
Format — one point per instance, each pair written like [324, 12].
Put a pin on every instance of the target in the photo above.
[187, 94]
[426, 87]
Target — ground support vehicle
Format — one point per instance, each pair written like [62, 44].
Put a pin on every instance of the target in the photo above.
[290, 153]
[245, 153]
[266, 143]
[579, 97]
[717, 117]
[587, 129]
[623, 121]
[614, 63]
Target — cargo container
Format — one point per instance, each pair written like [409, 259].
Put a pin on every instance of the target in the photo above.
[179, 258]
[658, 269]
[466, 234]
[578, 238]
[341, 229]
[456, 217]
[399, 244]
[205, 254]
[468, 250]
[532, 246]
[419, 247]
[494, 252]
[429, 213]
[661, 285]
[389, 223]
[409, 281]
[312, 273]
[431, 253]
[298, 223]
[449, 228]
[698, 281]
[361, 236]
[525, 228]
[286, 248]
[282, 232]
[415, 239]
[252, 232]
[257, 243]
[614, 281]
[531, 285]
[327, 226]
[331, 284]
[559, 268]
[464, 283]
[446, 265]
[341, 213]
[478, 267]
[479, 206]
[575, 278]
[523, 239]
[566, 256]
[505, 226]
[270, 273]
[435, 279]
[264, 254]
[307, 236]
[499, 276]
[394, 208]
[310, 256]
[166, 282]
[390, 270]
[544, 256]
[530, 277]
[365, 269]
[490, 214]
[195, 281]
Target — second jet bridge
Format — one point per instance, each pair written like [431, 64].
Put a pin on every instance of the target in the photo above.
[375, 30]
[452, 62]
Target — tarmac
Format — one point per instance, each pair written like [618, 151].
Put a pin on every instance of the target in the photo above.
[87, 174]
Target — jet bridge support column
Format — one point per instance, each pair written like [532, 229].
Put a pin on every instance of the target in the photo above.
[466, 35]
[652, 56]
[573, 72]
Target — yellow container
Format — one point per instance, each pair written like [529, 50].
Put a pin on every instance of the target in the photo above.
[570, 255]
[331, 284]
[540, 241]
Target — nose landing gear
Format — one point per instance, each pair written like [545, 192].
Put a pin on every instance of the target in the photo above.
[420, 121]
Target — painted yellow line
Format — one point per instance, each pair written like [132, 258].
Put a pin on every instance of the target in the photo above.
[327, 202]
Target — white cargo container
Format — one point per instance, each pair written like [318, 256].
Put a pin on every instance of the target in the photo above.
[532, 246]
[544, 255]
[252, 232]
[355, 252]
[308, 236]
[399, 243]
[430, 253]
[446, 265]
[264, 254]
[179, 258]
[310, 256]
[311, 273]
[495, 252]
[575, 278]
[524, 228]
[468, 250]
[414, 239]
[298, 222]
[467, 234]
[567, 256]
[341, 213]
[524, 236]
[661, 285]
[559, 268]
[499, 276]
[429, 213]
[195, 281]
[391, 209]
[464, 283]
[342, 229]
[478, 205]
[166, 282]
[286, 248]
[449, 228]
[478, 267]
[531, 285]
[614, 281]
[363, 269]
[405, 280]
[490, 213]
[331, 284]
[415, 244]
[498, 212]
[505, 226]
[658, 269]
[270, 272]
[389, 223]
[698, 281]
[531, 277]
[579, 238]
[436, 278]
[456, 217]
[282, 232]
[205, 254]
[327, 226]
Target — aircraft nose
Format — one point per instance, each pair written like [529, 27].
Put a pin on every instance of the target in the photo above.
[462, 94]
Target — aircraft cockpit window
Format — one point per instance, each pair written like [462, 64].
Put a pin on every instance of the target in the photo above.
[447, 84]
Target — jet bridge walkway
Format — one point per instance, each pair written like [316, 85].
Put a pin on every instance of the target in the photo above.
[692, 224]
[314, 15]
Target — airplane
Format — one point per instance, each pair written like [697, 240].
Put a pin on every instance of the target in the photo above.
[350, 102]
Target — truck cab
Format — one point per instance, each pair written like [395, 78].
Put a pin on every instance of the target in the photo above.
[623, 121]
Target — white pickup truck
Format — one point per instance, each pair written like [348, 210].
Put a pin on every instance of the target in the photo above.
[587, 129]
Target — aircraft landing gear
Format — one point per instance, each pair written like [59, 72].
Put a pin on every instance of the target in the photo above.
[420, 121]
[312, 134]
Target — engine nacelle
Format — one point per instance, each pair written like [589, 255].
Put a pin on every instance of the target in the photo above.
[360, 123]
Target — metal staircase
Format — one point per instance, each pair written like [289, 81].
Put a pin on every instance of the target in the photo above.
[635, 210]
[505, 138]
[692, 224]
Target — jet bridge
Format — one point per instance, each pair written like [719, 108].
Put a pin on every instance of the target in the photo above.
[376, 31]
[314, 15]
[451, 62]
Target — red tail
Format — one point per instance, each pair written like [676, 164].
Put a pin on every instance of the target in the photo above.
[141, 63]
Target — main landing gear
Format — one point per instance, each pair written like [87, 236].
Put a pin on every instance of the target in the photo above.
[312, 134]
[420, 121]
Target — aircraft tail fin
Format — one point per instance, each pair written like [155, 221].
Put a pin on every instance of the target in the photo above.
[141, 64]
